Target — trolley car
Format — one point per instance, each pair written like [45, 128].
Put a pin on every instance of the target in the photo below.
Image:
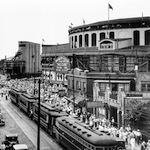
[48, 115]
[14, 95]
[75, 136]
[26, 103]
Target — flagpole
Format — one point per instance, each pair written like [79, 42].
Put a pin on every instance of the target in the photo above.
[108, 13]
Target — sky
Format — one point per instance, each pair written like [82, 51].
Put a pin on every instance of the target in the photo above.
[34, 20]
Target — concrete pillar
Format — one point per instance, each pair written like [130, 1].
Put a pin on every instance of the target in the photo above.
[142, 37]
[77, 44]
[118, 118]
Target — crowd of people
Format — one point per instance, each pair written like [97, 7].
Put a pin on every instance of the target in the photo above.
[49, 93]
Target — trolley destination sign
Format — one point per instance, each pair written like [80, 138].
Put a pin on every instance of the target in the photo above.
[62, 64]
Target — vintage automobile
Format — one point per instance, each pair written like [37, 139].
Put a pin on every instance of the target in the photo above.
[2, 121]
[10, 140]
[20, 147]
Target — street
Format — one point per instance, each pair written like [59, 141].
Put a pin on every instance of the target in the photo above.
[17, 122]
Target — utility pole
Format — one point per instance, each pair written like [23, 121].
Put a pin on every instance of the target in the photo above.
[34, 76]
[38, 129]
[74, 64]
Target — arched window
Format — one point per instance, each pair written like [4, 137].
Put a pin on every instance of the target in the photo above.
[94, 39]
[80, 40]
[111, 35]
[72, 41]
[102, 36]
[75, 43]
[86, 40]
[136, 37]
[147, 37]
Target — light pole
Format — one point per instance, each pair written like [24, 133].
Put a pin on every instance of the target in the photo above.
[74, 56]
[38, 129]
[34, 76]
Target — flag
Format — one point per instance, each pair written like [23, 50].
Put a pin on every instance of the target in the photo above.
[43, 40]
[110, 7]
[70, 27]
[83, 21]
[71, 24]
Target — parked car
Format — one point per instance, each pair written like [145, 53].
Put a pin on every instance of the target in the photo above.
[10, 140]
[2, 122]
[20, 147]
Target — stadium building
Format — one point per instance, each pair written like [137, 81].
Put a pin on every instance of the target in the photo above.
[109, 64]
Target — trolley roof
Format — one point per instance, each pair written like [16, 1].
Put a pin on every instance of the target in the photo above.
[85, 133]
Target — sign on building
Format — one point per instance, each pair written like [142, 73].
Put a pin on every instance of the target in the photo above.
[62, 64]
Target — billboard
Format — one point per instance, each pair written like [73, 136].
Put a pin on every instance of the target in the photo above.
[62, 64]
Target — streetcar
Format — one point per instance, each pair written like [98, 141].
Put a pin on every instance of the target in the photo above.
[48, 115]
[25, 102]
[14, 95]
[74, 135]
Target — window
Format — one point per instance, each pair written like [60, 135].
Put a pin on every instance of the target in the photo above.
[59, 77]
[102, 87]
[86, 40]
[111, 35]
[136, 37]
[102, 36]
[147, 37]
[68, 82]
[84, 86]
[93, 39]
[75, 44]
[72, 42]
[148, 87]
[80, 40]
[114, 87]
[78, 85]
[145, 86]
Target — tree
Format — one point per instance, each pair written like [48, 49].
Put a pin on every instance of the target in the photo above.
[134, 113]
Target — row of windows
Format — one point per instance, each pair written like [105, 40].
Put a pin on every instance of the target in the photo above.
[78, 85]
[76, 138]
[113, 86]
[43, 115]
[111, 35]
[86, 39]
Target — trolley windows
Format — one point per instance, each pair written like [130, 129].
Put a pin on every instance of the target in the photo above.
[43, 115]
[23, 102]
[12, 94]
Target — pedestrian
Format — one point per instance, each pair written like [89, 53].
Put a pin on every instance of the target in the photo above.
[6, 96]
[148, 145]
[112, 121]
[143, 146]
[132, 141]
[139, 136]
